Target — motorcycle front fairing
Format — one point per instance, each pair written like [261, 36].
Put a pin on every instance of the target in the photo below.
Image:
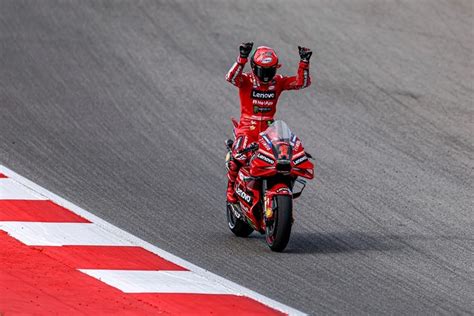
[279, 161]
[280, 152]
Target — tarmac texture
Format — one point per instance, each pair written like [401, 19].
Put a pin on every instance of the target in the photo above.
[122, 108]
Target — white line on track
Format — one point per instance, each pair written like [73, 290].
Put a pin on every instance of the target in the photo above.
[60, 234]
[127, 238]
[157, 281]
[12, 190]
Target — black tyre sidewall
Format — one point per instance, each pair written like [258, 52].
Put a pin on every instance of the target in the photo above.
[283, 221]
[236, 225]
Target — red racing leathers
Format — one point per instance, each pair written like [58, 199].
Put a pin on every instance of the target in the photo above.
[258, 102]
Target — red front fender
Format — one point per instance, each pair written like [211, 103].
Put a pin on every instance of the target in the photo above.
[278, 189]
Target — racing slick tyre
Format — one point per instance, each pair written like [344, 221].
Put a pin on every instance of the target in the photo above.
[239, 227]
[278, 232]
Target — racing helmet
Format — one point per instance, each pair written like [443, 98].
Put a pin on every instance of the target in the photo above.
[264, 63]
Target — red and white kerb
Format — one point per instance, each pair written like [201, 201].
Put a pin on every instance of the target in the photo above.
[56, 258]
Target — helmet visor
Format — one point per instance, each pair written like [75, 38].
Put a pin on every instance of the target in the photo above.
[265, 74]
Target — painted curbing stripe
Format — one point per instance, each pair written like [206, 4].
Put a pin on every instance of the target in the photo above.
[36, 211]
[33, 283]
[12, 190]
[207, 304]
[121, 234]
[60, 234]
[158, 281]
[109, 257]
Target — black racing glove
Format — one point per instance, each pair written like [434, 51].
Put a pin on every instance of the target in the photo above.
[245, 49]
[305, 53]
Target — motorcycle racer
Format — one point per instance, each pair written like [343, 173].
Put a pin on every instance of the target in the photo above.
[259, 91]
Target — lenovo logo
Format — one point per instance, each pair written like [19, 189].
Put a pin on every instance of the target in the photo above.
[300, 160]
[265, 158]
[263, 95]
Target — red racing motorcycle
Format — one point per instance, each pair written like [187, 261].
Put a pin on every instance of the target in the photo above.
[267, 185]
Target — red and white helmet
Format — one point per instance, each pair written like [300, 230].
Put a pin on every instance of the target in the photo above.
[264, 63]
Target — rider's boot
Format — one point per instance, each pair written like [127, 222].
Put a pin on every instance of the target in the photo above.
[231, 197]
[233, 170]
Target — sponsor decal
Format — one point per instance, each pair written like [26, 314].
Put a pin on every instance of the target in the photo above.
[236, 213]
[300, 160]
[266, 139]
[262, 141]
[247, 198]
[263, 95]
[271, 88]
[263, 103]
[267, 60]
[293, 139]
[265, 158]
[261, 109]
[297, 145]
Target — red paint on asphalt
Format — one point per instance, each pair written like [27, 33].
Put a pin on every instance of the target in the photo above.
[109, 257]
[35, 282]
[207, 304]
[37, 211]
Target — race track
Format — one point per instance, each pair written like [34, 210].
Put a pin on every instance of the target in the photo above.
[122, 108]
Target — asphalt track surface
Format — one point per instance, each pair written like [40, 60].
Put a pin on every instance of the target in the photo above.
[122, 108]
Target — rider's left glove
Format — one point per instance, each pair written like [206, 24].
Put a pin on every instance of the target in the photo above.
[305, 53]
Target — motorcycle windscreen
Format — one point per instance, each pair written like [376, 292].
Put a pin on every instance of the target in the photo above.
[279, 135]
[278, 131]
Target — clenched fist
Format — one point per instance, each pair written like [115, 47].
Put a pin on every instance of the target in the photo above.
[305, 53]
[245, 49]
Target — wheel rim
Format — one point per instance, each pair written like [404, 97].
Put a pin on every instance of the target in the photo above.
[270, 231]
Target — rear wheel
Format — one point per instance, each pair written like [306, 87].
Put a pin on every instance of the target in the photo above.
[236, 224]
[278, 232]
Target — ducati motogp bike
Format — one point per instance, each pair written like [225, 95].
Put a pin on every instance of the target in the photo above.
[267, 185]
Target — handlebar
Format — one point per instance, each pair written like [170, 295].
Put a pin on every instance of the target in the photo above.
[252, 147]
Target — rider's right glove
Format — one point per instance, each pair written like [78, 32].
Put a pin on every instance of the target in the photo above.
[245, 49]
[305, 53]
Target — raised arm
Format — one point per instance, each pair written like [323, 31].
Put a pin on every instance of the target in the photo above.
[234, 75]
[302, 78]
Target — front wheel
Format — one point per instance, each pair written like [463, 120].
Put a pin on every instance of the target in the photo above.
[236, 223]
[278, 231]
